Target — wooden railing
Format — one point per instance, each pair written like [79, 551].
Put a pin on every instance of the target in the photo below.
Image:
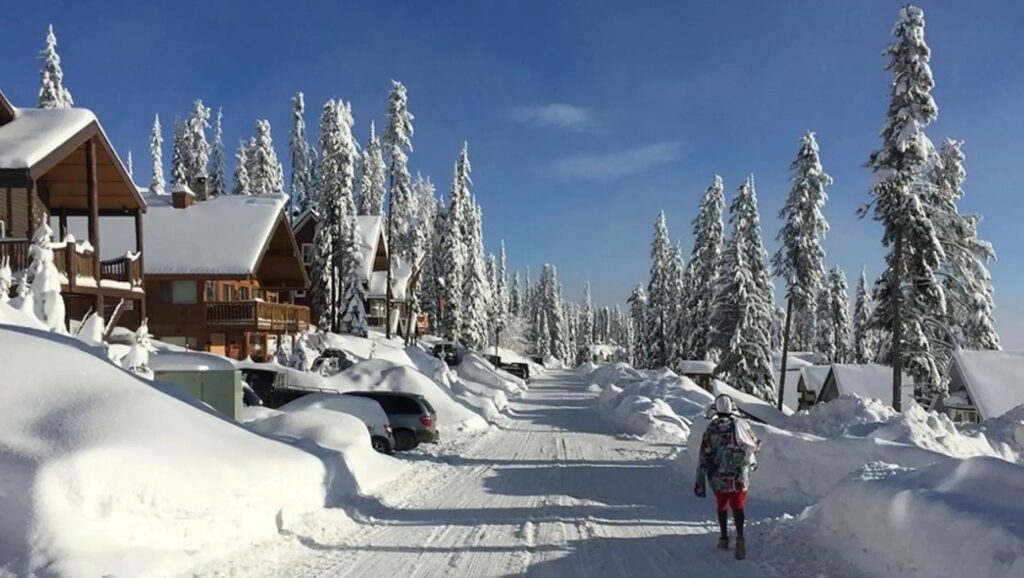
[125, 269]
[17, 250]
[258, 315]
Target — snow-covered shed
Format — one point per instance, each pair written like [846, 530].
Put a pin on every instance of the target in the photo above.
[983, 384]
[60, 163]
[866, 380]
[702, 372]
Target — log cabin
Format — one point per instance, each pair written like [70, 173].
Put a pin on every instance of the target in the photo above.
[58, 164]
[373, 246]
[221, 271]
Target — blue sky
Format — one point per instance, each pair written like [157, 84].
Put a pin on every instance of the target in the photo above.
[584, 118]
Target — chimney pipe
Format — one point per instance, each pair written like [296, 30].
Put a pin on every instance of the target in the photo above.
[201, 193]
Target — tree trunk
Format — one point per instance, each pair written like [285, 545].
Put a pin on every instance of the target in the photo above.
[897, 321]
[391, 250]
[785, 350]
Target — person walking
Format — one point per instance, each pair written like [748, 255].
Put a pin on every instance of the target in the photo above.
[727, 456]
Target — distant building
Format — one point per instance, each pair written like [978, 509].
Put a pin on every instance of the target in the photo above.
[983, 385]
[809, 385]
[866, 380]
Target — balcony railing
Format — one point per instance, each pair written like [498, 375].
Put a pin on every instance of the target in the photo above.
[75, 263]
[258, 315]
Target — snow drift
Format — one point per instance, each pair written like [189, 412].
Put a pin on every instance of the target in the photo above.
[955, 518]
[198, 485]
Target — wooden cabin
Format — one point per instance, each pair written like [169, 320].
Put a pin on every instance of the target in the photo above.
[57, 164]
[983, 384]
[221, 273]
[373, 247]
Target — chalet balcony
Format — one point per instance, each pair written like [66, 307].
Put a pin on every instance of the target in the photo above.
[76, 264]
[258, 315]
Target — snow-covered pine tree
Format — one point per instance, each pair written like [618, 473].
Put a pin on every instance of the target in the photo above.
[324, 278]
[638, 325]
[49, 305]
[156, 153]
[659, 296]
[800, 260]
[354, 304]
[242, 184]
[374, 174]
[824, 329]
[401, 210]
[179, 156]
[743, 304]
[137, 360]
[195, 146]
[475, 287]
[865, 343]
[675, 293]
[52, 93]
[302, 183]
[550, 302]
[432, 279]
[337, 168]
[218, 183]
[542, 344]
[908, 296]
[702, 271]
[778, 328]
[423, 237]
[970, 320]
[265, 172]
[515, 296]
[586, 338]
[839, 311]
[454, 253]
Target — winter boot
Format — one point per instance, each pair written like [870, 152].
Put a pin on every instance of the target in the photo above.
[723, 543]
[741, 548]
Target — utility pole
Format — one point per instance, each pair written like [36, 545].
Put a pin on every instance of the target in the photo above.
[785, 350]
[897, 320]
[391, 248]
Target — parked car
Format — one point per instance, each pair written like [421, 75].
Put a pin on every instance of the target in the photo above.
[447, 352]
[331, 362]
[520, 370]
[494, 360]
[270, 388]
[369, 411]
[413, 419]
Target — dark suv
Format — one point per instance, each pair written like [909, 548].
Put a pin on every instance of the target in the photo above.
[413, 419]
[447, 352]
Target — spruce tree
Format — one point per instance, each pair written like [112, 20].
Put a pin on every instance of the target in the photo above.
[265, 172]
[908, 294]
[474, 288]
[586, 325]
[702, 272]
[824, 323]
[454, 253]
[638, 323]
[515, 296]
[839, 311]
[179, 156]
[800, 260]
[372, 180]
[302, 185]
[194, 145]
[156, 153]
[865, 343]
[675, 292]
[659, 295]
[242, 184]
[218, 185]
[743, 303]
[401, 210]
[52, 93]
[970, 319]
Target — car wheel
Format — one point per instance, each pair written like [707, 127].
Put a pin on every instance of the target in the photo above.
[380, 445]
[405, 440]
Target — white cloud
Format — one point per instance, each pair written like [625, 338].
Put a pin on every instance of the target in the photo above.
[599, 167]
[554, 115]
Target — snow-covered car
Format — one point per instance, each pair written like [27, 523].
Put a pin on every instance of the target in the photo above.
[331, 362]
[369, 411]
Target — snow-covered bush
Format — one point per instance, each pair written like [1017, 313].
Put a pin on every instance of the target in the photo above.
[48, 303]
[283, 355]
[302, 354]
[91, 330]
[137, 360]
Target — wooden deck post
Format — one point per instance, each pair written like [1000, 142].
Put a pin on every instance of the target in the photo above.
[142, 265]
[93, 194]
[63, 215]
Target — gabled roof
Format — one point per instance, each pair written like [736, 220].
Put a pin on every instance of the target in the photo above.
[812, 377]
[400, 279]
[369, 235]
[226, 236]
[34, 142]
[697, 367]
[866, 380]
[994, 380]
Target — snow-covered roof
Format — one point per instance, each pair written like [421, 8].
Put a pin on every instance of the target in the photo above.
[994, 380]
[224, 235]
[368, 231]
[696, 367]
[813, 377]
[188, 361]
[399, 282]
[868, 380]
[35, 133]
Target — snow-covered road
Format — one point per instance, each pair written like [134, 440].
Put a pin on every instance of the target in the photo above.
[555, 493]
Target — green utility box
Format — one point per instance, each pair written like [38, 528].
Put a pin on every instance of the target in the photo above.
[220, 388]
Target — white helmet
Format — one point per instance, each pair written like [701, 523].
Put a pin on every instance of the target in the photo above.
[724, 405]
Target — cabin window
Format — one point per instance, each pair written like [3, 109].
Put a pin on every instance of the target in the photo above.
[226, 292]
[307, 253]
[211, 291]
[184, 293]
[243, 293]
[376, 308]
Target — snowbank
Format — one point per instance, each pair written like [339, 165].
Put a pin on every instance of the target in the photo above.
[476, 369]
[365, 409]
[199, 486]
[660, 404]
[850, 415]
[453, 416]
[1005, 433]
[340, 440]
[956, 518]
[618, 373]
[642, 416]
